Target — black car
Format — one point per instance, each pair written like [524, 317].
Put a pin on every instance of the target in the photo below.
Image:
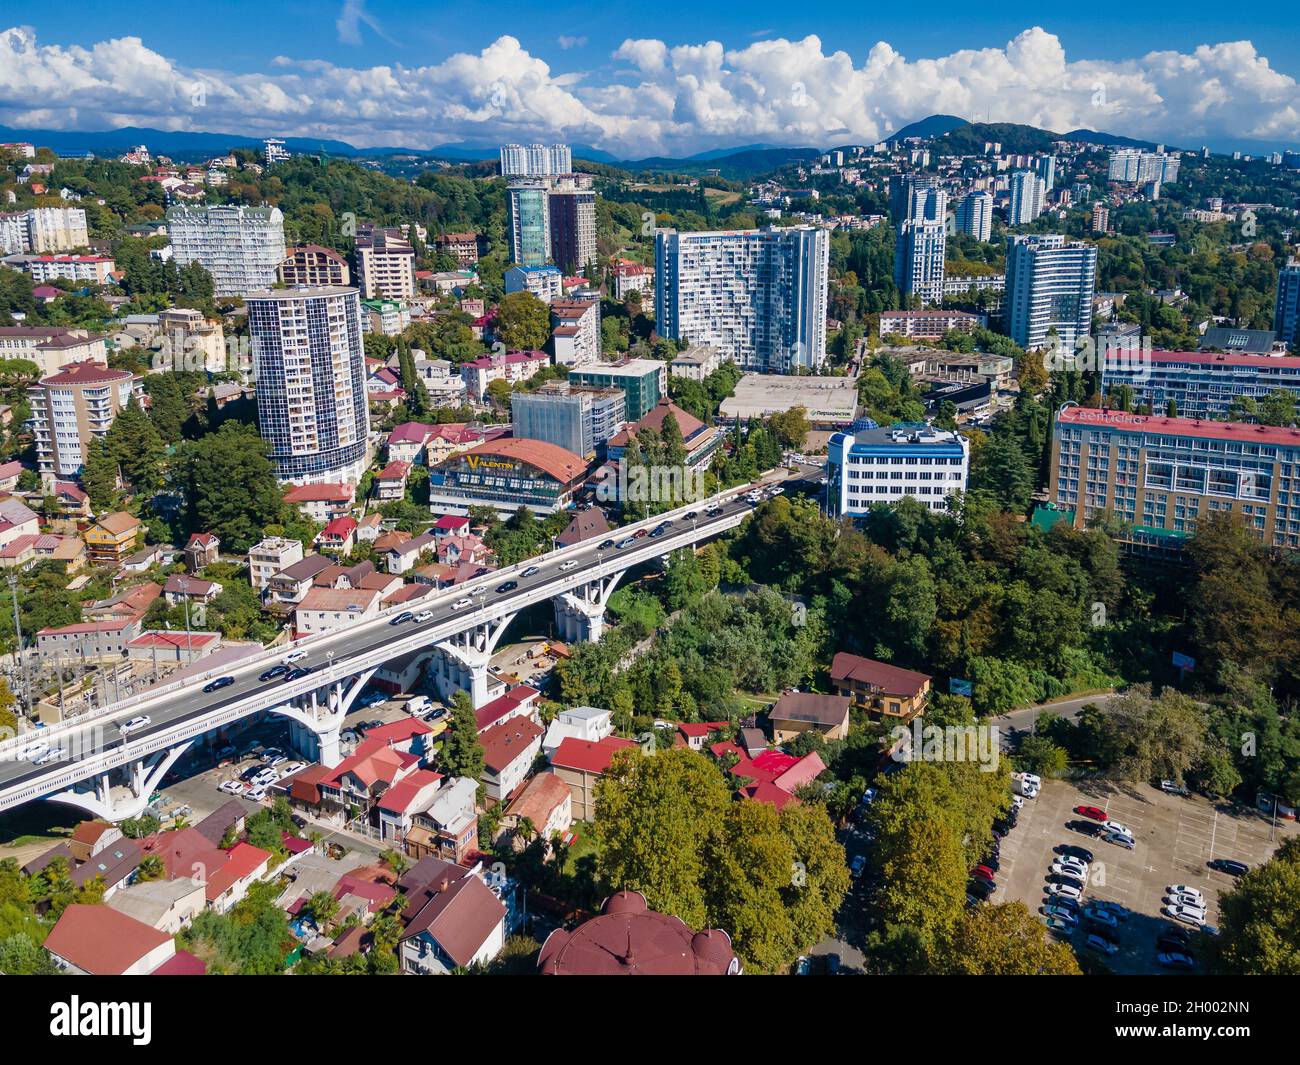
[404, 616]
[274, 672]
[218, 684]
[1171, 941]
[1087, 828]
[981, 889]
[299, 673]
[658, 531]
[991, 861]
[1071, 851]
[509, 586]
[605, 545]
[249, 773]
[1065, 902]
[1227, 865]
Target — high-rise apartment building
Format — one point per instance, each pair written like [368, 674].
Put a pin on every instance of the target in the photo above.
[385, 264]
[1136, 167]
[1028, 197]
[241, 247]
[56, 229]
[581, 420]
[1286, 315]
[528, 222]
[572, 217]
[309, 363]
[974, 215]
[1045, 168]
[757, 296]
[72, 407]
[1050, 284]
[1100, 218]
[275, 151]
[921, 240]
[535, 160]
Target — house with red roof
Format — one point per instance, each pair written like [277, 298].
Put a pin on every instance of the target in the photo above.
[519, 701]
[546, 804]
[697, 734]
[398, 805]
[450, 525]
[230, 882]
[580, 764]
[509, 749]
[202, 549]
[390, 482]
[773, 776]
[327, 609]
[448, 829]
[339, 535]
[99, 941]
[891, 692]
[322, 502]
[386, 756]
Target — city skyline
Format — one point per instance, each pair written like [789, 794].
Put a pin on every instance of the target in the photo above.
[369, 78]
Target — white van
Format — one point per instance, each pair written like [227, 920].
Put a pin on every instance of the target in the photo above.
[417, 704]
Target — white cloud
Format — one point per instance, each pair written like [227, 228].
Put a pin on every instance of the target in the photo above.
[659, 97]
[566, 42]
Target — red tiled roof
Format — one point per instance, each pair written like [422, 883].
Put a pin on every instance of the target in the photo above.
[101, 940]
[86, 373]
[588, 756]
[551, 459]
[1243, 432]
[505, 742]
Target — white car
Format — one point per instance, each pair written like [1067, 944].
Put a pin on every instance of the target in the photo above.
[35, 751]
[423, 616]
[1183, 889]
[257, 792]
[1070, 868]
[1185, 914]
[51, 755]
[461, 604]
[1192, 902]
[1017, 802]
[1117, 829]
[292, 768]
[1068, 891]
[566, 566]
[133, 724]
[265, 777]
[293, 656]
[233, 787]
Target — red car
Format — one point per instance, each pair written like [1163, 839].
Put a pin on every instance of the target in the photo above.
[1093, 812]
[982, 872]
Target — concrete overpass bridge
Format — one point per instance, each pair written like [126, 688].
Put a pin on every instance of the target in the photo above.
[577, 579]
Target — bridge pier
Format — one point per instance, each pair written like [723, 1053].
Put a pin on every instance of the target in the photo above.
[461, 663]
[322, 718]
[580, 614]
[143, 777]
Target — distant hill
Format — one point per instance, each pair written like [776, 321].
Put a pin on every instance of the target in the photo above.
[929, 128]
[971, 138]
[1091, 136]
[735, 166]
[177, 144]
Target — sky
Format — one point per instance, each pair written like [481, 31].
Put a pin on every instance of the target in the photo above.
[636, 79]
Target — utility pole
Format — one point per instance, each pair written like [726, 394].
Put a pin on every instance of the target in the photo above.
[26, 696]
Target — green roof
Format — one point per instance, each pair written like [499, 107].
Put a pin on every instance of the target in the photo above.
[1044, 517]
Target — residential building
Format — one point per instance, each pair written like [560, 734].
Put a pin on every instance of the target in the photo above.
[453, 920]
[100, 941]
[52, 347]
[796, 712]
[95, 269]
[385, 264]
[1100, 219]
[632, 277]
[881, 688]
[322, 502]
[580, 420]
[535, 160]
[544, 282]
[312, 266]
[588, 723]
[311, 397]
[464, 246]
[192, 341]
[884, 465]
[644, 382]
[1200, 384]
[545, 806]
[448, 828]
[72, 407]
[1137, 167]
[1286, 314]
[581, 763]
[575, 331]
[202, 549]
[167, 905]
[627, 938]
[328, 609]
[506, 474]
[921, 239]
[112, 537]
[929, 325]
[695, 363]
[509, 748]
[758, 296]
[51, 229]
[974, 215]
[511, 367]
[1158, 475]
[528, 222]
[1050, 285]
[240, 246]
[289, 586]
[572, 222]
[1028, 198]
[388, 317]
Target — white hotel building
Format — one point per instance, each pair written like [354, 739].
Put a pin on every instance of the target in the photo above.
[757, 296]
[886, 465]
[311, 392]
[536, 160]
[241, 247]
[1050, 285]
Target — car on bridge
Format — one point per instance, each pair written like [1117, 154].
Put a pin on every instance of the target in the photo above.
[298, 674]
[531, 571]
[133, 724]
[461, 604]
[218, 684]
[566, 566]
[273, 672]
[509, 586]
[626, 542]
[294, 656]
[423, 616]
[404, 616]
[52, 755]
[605, 545]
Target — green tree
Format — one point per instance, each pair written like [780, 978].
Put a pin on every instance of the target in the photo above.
[462, 751]
[523, 322]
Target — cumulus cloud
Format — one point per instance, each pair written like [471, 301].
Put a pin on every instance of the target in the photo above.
[566, 42]
[657, 97]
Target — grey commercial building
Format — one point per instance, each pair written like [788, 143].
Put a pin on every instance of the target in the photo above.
[580, 420]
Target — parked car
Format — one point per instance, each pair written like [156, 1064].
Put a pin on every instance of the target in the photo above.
[1123, 830]
[232, 787]
[218, 684]
[1053, 909]
[856, 866]
[1059, 927]
[1069, 891]
[1175, 938]
[1176, 960]
[1069, 850]
[1093, 813]
[1186, 914]
[1100, 944]
[1184, 889]
[1172, 787]
[1100, 915]
[1232, 868]
[1062, 868]
[983, 872]
[257, 792]
[803, 966]
[980, 888]
[292, 768]
[1120, 840]
[133, 724]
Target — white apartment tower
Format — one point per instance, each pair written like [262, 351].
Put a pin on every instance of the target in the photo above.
[1028, 197]
[921, 242]
[757, 296]
[1050, 285]
[239, 246]
[975, 215]
[311, 392]
[56, 229]
[535, 160]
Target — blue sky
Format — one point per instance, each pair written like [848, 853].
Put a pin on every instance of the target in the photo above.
[633, 76]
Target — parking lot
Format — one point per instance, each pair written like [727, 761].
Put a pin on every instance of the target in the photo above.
[1176, 837]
